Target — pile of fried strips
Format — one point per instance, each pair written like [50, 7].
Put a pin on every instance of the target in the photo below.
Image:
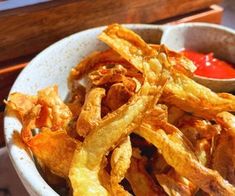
[138, 125]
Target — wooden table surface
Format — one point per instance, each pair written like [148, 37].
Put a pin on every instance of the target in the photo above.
[9, 69]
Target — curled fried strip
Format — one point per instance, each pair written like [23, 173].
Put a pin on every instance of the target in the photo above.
[120, 162]
[171, 186]
[105, 74]
[44, 110]
[180, 90]
[181, 160]
[187, 95]
[179, 61]
[117, 95]
[227, 121]
[90, 61]
[118, 124]
[21, 103]
[141, 182]
[196, 128]
[224, 153]
[56, 111]
[224, 157]
[91, 111]
[54, 150]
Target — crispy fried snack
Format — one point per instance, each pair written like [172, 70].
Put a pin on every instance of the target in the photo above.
[91, 111]
[107, 74]
[54, 150]
[175, 184]
[120, 162]
[224, 157]
[86, 65]
[140, 180]
[87, 159]
[139, 125]
[117, 96]
[174, 153]
[180, 90]
[44, 110]
[224, 153]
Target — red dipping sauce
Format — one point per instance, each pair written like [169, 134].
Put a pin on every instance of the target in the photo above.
[209, 66]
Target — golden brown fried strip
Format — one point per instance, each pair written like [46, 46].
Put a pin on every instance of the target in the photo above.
[27, 109]
[21, 103]
[87, 159]
[227, 121]
[76, 99]
[182, 161]
[180, 90]
[128, 44]
[90, 61]
[187, 95]
[107, 74]
[141, 182]
[117, 95]
[203, 151]
[195, 128]
[58, 113]
[54, 150]
[179, 61]
[172, 187]
[224, 153]
[91, 111]
[224, 157]
[120, 162]
[174, 114]
[44, 110]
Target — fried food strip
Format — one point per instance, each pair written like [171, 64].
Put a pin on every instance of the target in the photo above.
[179, 61]
[128, 44]
[224, 153]
[180, 90]
[224, 157]
[195, 128]
[182, 161]
[174, 114]
[172, 187]
[141, 182]
[54, 150]
[21, 103]
[27, 109]
[203, 151]
[76, 99]
[120, 162]
[118, 124]
[44, 110]
[117, 95]
[56, 113]
[107, 56]
[107, 74]
[91, 111]
[227, 121]
[187, 95]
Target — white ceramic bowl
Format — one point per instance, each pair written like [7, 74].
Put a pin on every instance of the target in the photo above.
[205, 38]
[51, 67]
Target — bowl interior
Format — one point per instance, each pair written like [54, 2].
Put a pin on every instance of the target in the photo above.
[52, 67]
